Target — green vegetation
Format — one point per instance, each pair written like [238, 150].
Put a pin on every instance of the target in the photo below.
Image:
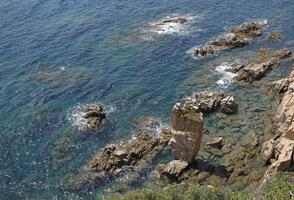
[280, 188]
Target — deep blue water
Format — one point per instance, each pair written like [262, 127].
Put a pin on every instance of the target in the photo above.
[58, 54]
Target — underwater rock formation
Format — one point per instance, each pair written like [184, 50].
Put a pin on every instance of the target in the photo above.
[275, 37]
[94, 114]
[256, 70]
[281, 147]
[237, 37]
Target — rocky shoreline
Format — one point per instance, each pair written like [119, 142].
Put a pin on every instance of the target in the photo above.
[188, 138]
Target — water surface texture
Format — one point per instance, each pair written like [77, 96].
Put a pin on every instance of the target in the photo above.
[58, 55]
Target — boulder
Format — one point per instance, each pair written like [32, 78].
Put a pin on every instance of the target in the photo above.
[94, 115]
[228, 105]
[173, 169]
[215, 142]
[267, 151]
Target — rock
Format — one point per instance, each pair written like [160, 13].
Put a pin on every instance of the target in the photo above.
[281, 147]
[264, 63]
[215, 142]
[143, 148]
[237, 38]
[187, 134]
[267, 151]
[278, 87]
[186, 120]
[185, 145]
[178, 20]
[275, 37]
[94, 115]
[251, 142]
[173, 169]
[205, 102]
[255, 72]
[228, 105]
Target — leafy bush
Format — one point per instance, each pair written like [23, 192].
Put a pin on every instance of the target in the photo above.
[277, 189]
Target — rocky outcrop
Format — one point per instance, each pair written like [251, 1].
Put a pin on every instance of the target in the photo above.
[94, 114]
[281, 147]
[134, 153]
[187, 133]
[256, 70]
[187, 122]
[237, 37]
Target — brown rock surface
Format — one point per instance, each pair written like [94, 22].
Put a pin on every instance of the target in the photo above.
[283, 142]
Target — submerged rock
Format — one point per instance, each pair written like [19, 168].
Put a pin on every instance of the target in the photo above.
[94, 114]
[237, 37]
[178, 20]
[275, 37]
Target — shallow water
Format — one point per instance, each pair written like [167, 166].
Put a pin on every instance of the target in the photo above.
[59, 54]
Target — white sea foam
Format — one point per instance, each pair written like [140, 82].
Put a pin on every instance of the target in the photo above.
[76, 115]
[225, 77]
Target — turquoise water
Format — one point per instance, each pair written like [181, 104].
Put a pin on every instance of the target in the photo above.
[59, 54]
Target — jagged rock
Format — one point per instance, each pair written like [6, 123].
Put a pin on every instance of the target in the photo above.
[178, 20]
[94, 115]
[275, 37]
[215, 142]
[237, 37]
[228, 105]
[173, 169]
[284, 140]
[135, 152]
[255, 71]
